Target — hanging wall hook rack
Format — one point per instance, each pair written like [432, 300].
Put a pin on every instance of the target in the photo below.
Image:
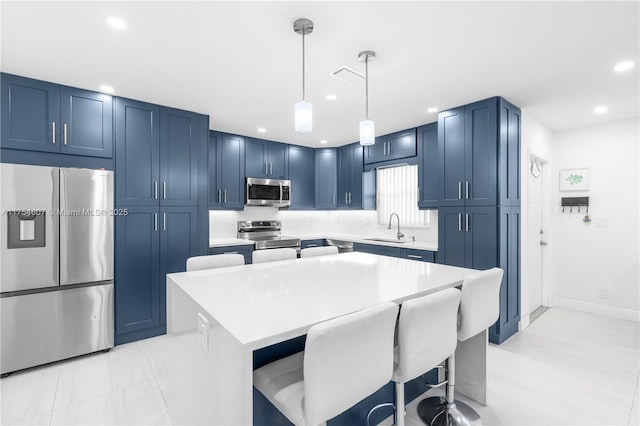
[572, 202]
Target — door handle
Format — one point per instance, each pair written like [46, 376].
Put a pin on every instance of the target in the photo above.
[270, 168]
[155, 189]
[413, 256]
[280, 192]
[225, 195]
[334, 198]
[219, 196]
[466, 190]
[466, 222]
[346, 198]
[459, 222]
[312, 245]
[155, 221]
[543, 243]
[64, 133]
[53, 132]
[230, 252]
[459, 190]
[164, 190]
[266, 170]
[164, 221]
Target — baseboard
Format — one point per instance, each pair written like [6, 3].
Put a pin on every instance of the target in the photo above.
[524, 322]
[594, 308]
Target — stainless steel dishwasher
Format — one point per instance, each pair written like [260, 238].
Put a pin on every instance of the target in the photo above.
[343, 246]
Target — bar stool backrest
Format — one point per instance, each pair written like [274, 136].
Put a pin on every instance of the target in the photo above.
[480, 303]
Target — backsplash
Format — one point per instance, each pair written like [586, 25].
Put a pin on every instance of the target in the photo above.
[223, 224]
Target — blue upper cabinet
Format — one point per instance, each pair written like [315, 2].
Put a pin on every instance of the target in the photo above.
[181, 133]
[392, 147]
[326, 178]
[41, 116]
[509, 159]
[468, 151]
[451, 148]
[87, 123]
[428, 167]
[302, 176]
[354, 186]
[266, 159]
[226, 171]
[137, 153]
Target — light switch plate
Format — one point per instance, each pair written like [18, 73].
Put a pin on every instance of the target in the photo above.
[203, 331]
[602, 222]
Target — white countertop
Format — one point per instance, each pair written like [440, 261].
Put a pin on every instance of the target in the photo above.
[417, 245]
[265, 303]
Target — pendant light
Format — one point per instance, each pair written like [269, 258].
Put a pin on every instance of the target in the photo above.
[304, 113]
[367, 130]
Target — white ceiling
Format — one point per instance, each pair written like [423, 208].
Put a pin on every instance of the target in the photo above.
[240, 62]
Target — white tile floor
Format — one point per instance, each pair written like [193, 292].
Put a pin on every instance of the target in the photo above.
[567, 368]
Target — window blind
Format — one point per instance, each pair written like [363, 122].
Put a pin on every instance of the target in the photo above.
[397, 191]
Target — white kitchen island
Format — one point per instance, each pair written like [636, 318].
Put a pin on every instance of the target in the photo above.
[216, 319]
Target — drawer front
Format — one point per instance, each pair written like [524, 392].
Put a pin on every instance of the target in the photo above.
[376, 249]
[245, 250]
[419, 255]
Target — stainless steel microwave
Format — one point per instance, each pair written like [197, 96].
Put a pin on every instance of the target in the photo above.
[268, 192]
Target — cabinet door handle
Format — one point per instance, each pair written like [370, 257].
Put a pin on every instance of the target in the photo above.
[413, 256]
[459, 222]
[466, 190]
[350, 197]
[164, 221]
[230, 252]
[64, 133]
[155, 189]
[155, 221]
[225, 195]
[53, 132]
[312, 245]
[466, 222]
[389, 148]
[270, 168]
[164, 190]
[219, 196]
[266, 171]
[346, 198]
[334, 198]
[459, 190]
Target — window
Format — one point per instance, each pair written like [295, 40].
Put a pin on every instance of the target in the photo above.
[397, 191]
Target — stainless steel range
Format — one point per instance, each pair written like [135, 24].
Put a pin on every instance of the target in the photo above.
[266, 234]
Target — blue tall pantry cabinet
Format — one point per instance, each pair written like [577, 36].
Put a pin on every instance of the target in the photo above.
[479, 197]
[161, 180]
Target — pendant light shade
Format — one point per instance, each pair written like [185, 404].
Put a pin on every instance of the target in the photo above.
[367, 128]
[367, 133]
[304, 117]
[304, 112]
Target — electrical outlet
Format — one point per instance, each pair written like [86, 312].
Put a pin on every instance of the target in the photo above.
[203, 331]
[602, 293]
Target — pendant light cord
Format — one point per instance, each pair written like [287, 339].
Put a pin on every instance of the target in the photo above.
[366, 86]
[303, 32]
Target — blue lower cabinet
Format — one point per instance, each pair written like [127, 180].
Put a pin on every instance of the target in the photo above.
[419, 255]
[376, 249]
[137, 275]
[150, 243]
[312, 243]
[244, 249]
[509, 261]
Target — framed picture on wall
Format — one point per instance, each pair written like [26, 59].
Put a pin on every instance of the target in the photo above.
[574, 180]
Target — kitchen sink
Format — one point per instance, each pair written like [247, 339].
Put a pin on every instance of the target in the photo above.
[388, 240]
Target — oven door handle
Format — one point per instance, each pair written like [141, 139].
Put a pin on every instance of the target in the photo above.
[280, 183]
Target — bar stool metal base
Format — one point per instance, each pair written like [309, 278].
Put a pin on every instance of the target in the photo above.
[435, 412]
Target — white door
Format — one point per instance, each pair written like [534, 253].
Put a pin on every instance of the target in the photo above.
[536, 235]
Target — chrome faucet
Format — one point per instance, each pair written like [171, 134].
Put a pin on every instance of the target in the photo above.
[400, 234]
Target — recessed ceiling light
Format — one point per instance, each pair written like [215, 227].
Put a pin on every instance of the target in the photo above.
[323, 141]
[261, 130]
[432, 110]
[331, 97]
[116, 23]
[623, 66]
[601, 109]
[106, 89]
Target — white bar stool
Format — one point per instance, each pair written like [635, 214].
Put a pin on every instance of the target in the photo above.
[318, 251]
[479, 309]
[213, 261]
[345, 360]
[273, 255]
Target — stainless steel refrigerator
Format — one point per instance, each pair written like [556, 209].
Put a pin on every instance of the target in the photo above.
[56, 264]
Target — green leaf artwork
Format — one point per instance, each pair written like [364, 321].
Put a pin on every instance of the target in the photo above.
[574, 179]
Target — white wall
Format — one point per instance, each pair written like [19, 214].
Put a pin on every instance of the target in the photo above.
[587, 258]
[536, 140]
[222, 224]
